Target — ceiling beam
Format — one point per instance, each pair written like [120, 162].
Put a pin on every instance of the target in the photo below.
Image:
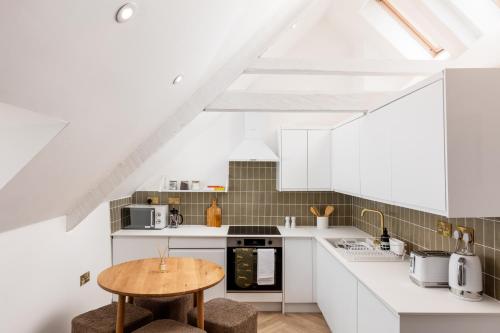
[221, 79]
[351, 67]
[287, 102]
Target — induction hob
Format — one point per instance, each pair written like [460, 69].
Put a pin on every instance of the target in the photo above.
[253, 230]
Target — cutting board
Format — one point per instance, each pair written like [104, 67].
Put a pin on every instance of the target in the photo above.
[214, 215]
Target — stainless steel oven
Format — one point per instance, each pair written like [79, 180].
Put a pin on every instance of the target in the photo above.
[242, 264]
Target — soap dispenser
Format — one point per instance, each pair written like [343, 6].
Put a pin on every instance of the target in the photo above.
[384, 240]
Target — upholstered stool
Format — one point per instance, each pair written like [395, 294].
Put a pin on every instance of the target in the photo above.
[175, 308]
[227, 316]
[103, 319]
[168, 326]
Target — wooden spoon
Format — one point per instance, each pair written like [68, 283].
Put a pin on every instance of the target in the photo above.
[314, 211]
[329, 210]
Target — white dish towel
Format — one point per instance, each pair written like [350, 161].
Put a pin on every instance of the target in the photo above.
[265, 267]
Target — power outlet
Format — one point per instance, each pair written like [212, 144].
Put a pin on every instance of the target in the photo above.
[468, 230]
[444, 228]
[174, 200]
[84, 278]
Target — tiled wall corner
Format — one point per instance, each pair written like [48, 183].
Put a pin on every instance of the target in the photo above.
[418, 230]
[115, 212]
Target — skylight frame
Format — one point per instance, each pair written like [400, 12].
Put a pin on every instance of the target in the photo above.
[433, 49]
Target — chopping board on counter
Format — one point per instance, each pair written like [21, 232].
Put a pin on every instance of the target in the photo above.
[214, 215]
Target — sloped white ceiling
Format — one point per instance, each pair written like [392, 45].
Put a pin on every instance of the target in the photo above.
[110, 81]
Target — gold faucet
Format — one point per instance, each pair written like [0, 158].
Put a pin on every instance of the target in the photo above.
[379, 213]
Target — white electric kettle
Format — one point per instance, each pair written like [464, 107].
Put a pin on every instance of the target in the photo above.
[464, 271]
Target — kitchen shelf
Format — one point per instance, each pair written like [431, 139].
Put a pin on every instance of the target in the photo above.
[193, 191]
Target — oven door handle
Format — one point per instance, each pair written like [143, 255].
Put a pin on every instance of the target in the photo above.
[254, 251]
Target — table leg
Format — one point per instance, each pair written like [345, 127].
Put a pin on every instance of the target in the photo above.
[194, 300]
[130, 300]
[201, 309]
[120, 314]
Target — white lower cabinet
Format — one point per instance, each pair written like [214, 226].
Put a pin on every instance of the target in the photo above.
[373, 316]
[299, 265]
[336, 293]
[137, 247]
[140, 247]
[217, 256]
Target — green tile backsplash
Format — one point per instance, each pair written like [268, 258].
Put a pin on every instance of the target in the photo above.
[252, 199]
[418, 230]
[115, 212]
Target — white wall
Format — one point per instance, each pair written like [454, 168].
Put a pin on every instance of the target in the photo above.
[40, 269]
[23, 134]
[201, 150]
[198, 152]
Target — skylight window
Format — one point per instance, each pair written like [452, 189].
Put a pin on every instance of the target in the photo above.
[404, 34]
[433, 48]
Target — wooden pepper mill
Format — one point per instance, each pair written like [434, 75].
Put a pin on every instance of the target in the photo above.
[214, 215]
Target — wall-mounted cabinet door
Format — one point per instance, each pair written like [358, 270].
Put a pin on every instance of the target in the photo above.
[293, 164]
[318, 160]
[298, 270]
[345, 158]
[375, 154]
[418, 149]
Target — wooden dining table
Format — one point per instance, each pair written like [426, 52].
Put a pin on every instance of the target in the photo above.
[143, 278]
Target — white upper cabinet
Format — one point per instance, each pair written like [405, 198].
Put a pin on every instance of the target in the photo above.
[345, 158]
[304, 160]
[293, 160]
[418, 149]
[375, 154]
[434, 148]
[318, 160]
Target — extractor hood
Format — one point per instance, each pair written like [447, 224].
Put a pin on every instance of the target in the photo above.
[253, 150]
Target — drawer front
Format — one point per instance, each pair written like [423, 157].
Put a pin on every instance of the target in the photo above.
[197, 243]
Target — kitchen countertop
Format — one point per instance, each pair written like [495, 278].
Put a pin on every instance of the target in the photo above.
[182, 231]
[204, 231]
[388, 281]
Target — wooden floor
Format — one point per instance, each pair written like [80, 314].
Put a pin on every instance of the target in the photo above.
[275, 322]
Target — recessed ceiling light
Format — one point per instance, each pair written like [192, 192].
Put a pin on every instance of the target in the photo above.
[125, 12]
[294, 26]
[177, 79]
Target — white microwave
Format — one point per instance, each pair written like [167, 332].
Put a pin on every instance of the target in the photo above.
[144, 216]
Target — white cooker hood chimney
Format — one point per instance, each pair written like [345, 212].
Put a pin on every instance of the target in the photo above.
[253, 148]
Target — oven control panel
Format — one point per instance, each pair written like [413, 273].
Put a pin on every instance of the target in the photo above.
[254, 242]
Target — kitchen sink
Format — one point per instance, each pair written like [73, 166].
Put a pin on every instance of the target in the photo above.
[362, 249]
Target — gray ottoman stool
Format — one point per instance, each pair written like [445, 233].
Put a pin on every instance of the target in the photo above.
[103, 319]
[227, 316]
[175, 308]
[168, 326]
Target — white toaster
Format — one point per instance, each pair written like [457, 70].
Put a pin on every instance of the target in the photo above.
[429, 268]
